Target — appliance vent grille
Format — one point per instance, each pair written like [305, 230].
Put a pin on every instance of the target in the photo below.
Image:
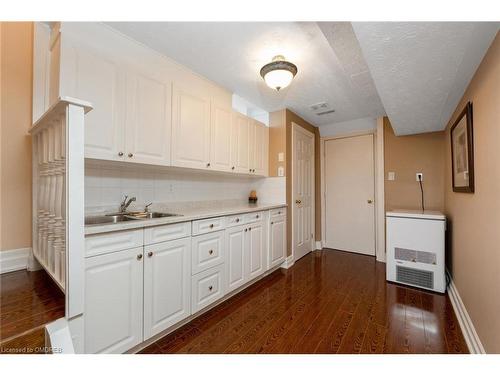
[424, 279]
[414, 255]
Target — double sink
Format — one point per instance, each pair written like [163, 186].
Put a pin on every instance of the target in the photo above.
[125, 216]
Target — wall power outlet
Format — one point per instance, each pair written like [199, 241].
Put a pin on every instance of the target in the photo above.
[421, 175]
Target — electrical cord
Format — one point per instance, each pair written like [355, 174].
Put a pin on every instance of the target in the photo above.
[421, 191]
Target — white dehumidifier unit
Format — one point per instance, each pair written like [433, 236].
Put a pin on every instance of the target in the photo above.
[415, 249]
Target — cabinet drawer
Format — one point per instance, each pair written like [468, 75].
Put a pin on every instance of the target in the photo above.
[207, 251]
[254, 217]
[166, 232]
[278, 212]
[208, 225]
[234, 220]
[207, 287]
[110, 242]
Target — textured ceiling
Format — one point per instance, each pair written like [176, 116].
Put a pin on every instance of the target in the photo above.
[328, 57]
[421, 70]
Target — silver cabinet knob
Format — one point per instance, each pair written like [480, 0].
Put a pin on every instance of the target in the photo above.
[211, 226]
[130, 154]
[232, 167]
[237, 220]
[210, 287]
[210, 252]
[150, 254]
[249, 229]
[246, 229]
[139, 256]
[120, 153]
[208, 164]
[272, 222]
[257, 216]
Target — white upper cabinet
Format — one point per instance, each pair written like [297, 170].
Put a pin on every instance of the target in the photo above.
[240, 141]
[94, 77]
[148, 124]
[190, 129]
[260, 149]
[220, 145]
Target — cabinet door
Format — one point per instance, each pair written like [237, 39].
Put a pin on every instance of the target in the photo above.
[236, 257]
[96, 79]
[260, 149]
[220, 145]
[148, 129]
[190, 129]
[256, 251]
[277, 241]
[167, 285]
[113, 301]
[240, 152]
[252, 136]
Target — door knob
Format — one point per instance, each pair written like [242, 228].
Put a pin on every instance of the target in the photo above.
[298, 201]
[370, 201]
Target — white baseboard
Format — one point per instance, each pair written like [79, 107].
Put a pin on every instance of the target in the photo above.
[288, 262]
[14, 260]
[471, 337]
[319, 245]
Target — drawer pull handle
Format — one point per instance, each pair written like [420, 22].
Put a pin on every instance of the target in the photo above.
[210, 287]
[130, 154]
[246, 229]
[237, 220]
[272, 222]
[120, 153]
[249, 229]
[211, 226]
[208, 164]
[210, 252]
[139, 256]
[150, 254]
[257, 216]
[232, 167]
[279, 212]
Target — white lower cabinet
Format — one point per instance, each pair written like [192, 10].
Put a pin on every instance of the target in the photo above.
[235, 256]
[246, 248]
[207, 287]
[277, 240]
[167, 285]
[113, 301]
[137, 287]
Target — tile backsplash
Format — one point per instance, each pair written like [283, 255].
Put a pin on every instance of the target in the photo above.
[107, 184]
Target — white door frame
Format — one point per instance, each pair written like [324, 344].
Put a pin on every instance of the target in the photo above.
[313, 200]
[378, 150]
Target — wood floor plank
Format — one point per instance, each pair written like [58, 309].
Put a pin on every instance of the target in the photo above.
[328, 302]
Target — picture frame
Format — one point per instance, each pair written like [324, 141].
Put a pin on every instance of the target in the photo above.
[462, 152]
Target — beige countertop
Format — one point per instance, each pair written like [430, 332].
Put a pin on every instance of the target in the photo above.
[189, 213]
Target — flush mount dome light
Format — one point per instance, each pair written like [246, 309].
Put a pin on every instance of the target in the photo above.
[278, 73]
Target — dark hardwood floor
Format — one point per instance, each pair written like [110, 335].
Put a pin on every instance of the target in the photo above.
[328, 302]
[28, 301]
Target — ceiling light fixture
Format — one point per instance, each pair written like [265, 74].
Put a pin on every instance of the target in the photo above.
[279, 73]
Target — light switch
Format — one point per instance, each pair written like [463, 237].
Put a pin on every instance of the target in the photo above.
[281, 156]
[281, 171]
[391, 176]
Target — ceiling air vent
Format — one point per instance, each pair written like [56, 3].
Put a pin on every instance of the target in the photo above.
[325, 112]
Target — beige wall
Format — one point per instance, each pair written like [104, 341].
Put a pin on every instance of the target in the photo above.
[16, 87]
[407, 155]
[474, 219]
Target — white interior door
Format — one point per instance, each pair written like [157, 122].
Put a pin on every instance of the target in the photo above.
[302, 191]
[349, 194]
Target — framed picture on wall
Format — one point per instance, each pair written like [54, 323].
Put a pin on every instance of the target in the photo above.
[462, 152]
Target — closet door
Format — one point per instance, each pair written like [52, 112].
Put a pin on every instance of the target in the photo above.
[240, 142]
[148, 131]
[190, 129]
[220, 145]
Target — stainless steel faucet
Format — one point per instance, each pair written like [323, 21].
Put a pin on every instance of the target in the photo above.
[124, 205]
